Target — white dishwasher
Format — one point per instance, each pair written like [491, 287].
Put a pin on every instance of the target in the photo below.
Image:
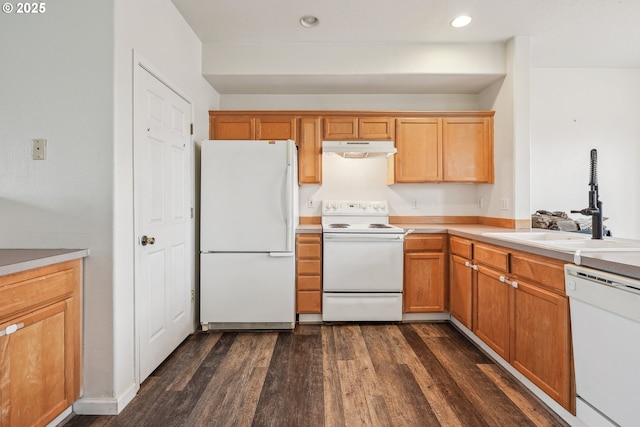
[605, 327]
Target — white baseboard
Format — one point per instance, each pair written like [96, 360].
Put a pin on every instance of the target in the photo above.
[426, 317]
[309, 318]
[105, 405]
[60, 418]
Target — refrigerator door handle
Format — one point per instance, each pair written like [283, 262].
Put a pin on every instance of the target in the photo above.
[281, 254]
[289, 198]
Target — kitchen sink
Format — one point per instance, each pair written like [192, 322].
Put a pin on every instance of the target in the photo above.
[566, 241]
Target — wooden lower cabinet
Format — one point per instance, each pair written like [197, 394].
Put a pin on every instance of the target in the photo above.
[491, 310]
[540, 346]
[425, 284]
[309, 273]
[520, 310]
[461, 290]
[40, 363]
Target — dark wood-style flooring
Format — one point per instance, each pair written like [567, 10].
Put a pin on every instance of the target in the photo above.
[420, 374]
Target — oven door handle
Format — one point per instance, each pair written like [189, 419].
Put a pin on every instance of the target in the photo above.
[361, 238]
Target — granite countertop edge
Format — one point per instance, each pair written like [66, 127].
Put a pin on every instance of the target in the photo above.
[18, 260]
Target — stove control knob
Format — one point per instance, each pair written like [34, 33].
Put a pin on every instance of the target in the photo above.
[376, 206]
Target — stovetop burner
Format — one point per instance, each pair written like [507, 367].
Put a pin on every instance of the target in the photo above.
[358, 217]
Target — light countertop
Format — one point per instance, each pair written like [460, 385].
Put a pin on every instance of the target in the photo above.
[623, 263]
[17, 260]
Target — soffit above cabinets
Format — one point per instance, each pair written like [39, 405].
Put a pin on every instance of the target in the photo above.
[561, 34]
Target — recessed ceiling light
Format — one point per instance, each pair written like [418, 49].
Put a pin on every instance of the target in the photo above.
[461, 21]
[309, 21]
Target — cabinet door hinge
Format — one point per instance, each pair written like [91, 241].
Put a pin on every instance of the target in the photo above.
[191, 213]
[191, 128]
[193, 296]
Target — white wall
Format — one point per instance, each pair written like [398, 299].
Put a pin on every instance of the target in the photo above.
[67, 77]
[158, 34]
[57, 83]
[573, 111]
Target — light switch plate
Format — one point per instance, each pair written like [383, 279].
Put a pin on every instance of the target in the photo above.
[39, 151]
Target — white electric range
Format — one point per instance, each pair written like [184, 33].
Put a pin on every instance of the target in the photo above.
[362, 262]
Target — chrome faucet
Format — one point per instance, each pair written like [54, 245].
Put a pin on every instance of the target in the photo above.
[595, 205]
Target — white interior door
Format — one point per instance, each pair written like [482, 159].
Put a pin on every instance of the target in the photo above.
[164, 252]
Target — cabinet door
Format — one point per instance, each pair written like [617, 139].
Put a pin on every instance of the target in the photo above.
[468, 149]
[419, 144]
[276, 128]
[36, 367]
[424, 282]
[491, 302]
[541, 341]
[310, 151]
[336, 128]
[376, 128]
[460, 290]
[232, 127]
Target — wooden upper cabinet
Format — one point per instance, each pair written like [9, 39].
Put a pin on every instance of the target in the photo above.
[310, 151]
[341, 128]
[376, 128]
[253, 127]
[432, 146]
[232, 127]
[353, 127]
[468, 149]
[419, 144]
[276, 128]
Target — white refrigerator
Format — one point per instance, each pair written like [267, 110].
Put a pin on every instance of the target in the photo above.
[248, 217]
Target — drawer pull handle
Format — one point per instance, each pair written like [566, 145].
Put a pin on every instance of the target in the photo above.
[11, 329]
[509, 282]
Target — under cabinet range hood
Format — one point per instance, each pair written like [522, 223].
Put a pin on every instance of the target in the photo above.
[359, 149]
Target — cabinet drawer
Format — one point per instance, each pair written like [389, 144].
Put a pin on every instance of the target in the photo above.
[309, 267]
[309, 251]
[424, 242]
[309, 302]
[461, 247]
[309, 283]
[492, 256]
[541, 270]
[34, 291]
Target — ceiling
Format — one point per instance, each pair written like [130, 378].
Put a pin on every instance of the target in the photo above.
[564, 33]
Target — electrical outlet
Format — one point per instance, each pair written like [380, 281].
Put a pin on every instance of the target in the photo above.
[504, 204]
[39, 149]
[311, 203]
[481, 202]
[414, 204]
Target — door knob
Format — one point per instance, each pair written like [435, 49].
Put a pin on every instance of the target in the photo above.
[147, 240]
